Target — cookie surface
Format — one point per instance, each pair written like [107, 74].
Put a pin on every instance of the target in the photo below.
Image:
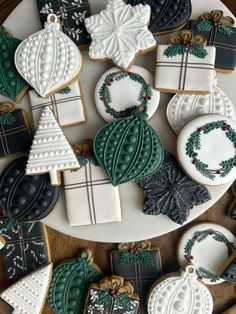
[206, 149]
[140, 92]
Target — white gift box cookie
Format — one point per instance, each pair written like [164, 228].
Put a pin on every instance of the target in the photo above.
[90, 197]
[67, 106]
[186, 65]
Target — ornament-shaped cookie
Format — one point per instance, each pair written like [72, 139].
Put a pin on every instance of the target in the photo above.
[180, 294]
[50, 151]
[48, 60]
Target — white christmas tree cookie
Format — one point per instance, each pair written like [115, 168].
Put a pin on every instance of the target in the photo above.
[48, 60]
[119, 33]
[50, 151]
[28, 295]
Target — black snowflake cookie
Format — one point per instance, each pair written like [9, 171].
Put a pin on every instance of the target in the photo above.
[167, 15]
[170, 192]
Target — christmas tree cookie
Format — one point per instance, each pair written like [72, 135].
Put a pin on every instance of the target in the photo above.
[50, 151]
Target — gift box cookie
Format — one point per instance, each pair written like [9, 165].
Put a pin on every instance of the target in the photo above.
[84, 191]
[181, 65]
[26, 247]
[66, 105]
[220, 33]
[15, 134]
[139, 264]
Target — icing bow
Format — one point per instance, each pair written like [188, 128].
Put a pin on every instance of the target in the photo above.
[116, 286]
[135, 247]
[84, 153]
[6, 117]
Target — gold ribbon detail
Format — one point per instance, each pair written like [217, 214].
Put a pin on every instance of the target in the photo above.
[217, 17]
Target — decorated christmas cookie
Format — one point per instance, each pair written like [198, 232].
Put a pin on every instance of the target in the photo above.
[48, 60]
[180, 294]
[87, 188]
[112, 295]
[138, 263]
[2, 242]
[170, 192]
[232, 209]
[11, 83]
[186, 107]
[26, 247]
[181, 65]
[227, 271]
[128, 149]
[166, 15]
[71, 14]
[206, 246]
[50, 151]
[70, 284]
[206, 149]
[28, 295]
[15, 131]
[67, 106]
[220, 33]
[26, 198]
[114, 82]
[120, 33]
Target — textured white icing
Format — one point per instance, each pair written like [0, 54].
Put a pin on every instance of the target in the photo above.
[183, 108]
[48, 59]
[168, 77]
[131, 97]
[50, 151]
[215, 148]
[183, 294]
[67, 108]
[27, 295]
[85, 191]
[119, 32]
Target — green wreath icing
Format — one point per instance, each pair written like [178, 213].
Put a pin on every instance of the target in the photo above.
[194, 144]
[7, 118]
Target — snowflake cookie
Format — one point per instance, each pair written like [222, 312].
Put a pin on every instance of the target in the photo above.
[120, 32]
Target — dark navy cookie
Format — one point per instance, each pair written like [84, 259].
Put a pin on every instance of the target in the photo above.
[26, 198]
[167, 15]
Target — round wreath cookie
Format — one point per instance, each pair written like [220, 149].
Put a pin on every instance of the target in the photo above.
[206, 149]
[118, 93]
[180, 294]
[206, 246]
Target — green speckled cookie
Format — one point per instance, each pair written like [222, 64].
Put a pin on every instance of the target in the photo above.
[70, 284]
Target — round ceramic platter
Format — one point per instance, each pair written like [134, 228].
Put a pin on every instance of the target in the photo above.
[135, 226]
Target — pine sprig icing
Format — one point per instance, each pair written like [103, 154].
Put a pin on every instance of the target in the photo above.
[142, 257]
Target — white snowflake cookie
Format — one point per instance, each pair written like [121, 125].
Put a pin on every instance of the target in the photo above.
[119, 33]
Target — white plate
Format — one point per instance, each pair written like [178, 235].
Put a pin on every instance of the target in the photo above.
[135, 226]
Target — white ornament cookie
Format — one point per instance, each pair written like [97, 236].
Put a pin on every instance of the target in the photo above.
[137, 85]
[50, 151]
[180, 294]
[119, 33]
[28, 295]
[67, 106]
[186, 107]
[206, 149]
[48, 60]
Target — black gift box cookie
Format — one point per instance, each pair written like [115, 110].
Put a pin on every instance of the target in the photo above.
[26, 198]
[72, 14]
[219, 32]
[139, 264]
[26, 247]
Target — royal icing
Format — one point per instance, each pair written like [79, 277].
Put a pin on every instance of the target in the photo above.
[186, 107]
[206, 149]
[120, 32]
[67, 106]
[50, 151]
[48, 60]
[27, 296]
[180, 294]
[138, 81]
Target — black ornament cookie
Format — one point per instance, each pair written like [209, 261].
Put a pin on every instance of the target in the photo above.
[26, 198]
[167, 15]
[26, 247]
[170, 192]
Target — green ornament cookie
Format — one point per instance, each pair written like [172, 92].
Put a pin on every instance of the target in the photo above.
[70, 284]
[12, 84]
[128, 149]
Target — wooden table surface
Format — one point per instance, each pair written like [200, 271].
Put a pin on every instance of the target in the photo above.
[65, 247]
